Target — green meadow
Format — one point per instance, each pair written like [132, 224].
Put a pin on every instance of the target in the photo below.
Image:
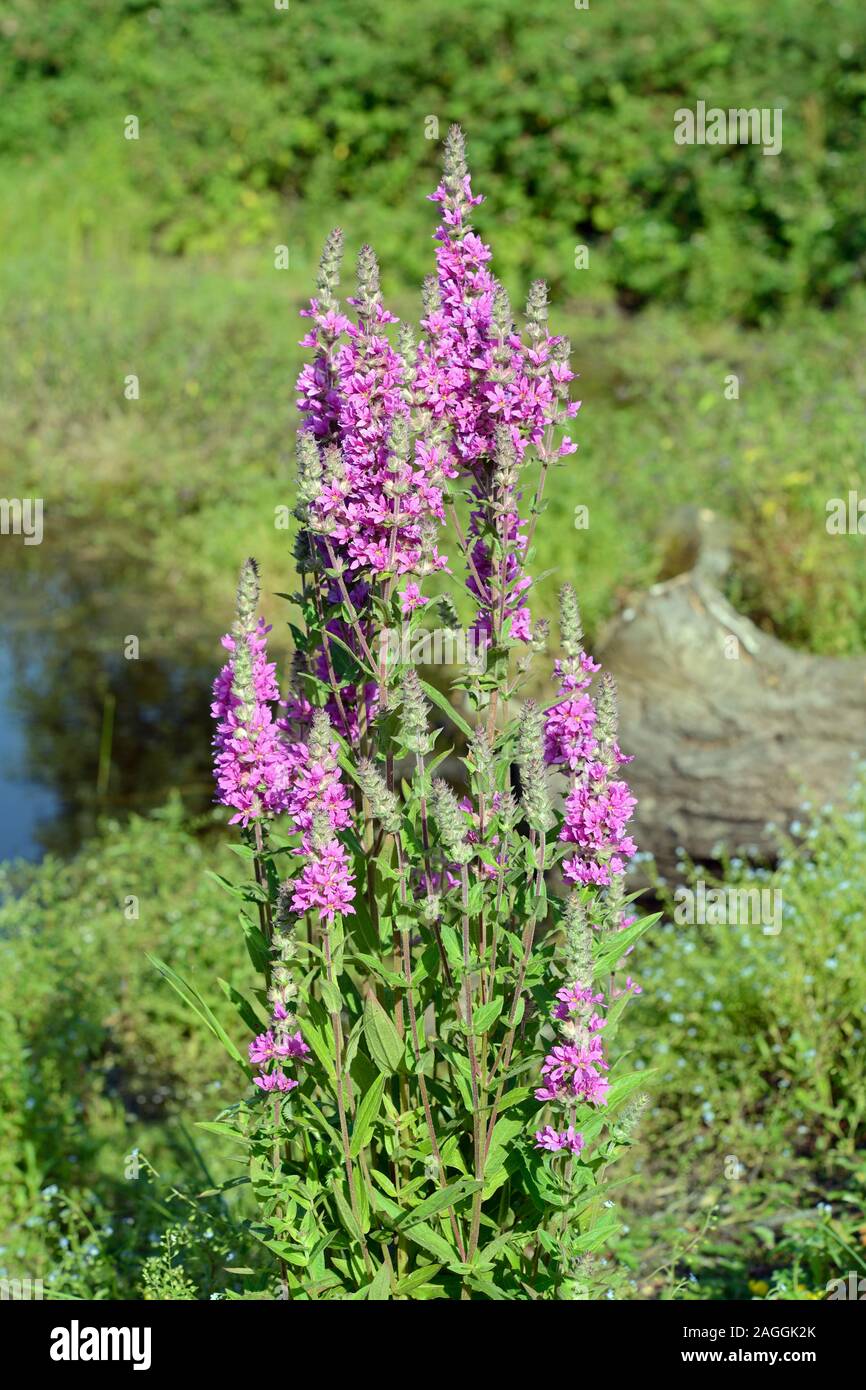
[155, 258]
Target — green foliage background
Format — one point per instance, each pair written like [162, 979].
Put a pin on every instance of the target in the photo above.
[255, 119]
[262, 127]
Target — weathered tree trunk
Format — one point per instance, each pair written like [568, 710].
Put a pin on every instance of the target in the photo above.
[731, 730]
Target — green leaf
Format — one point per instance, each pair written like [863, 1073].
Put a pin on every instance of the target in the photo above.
[321, 1050]
[223, 1129]
[257, 947]
[504, 1131]
[516, 1097]
[379, 1289]
[615, 946]
[488, 1288]
[362, 1201]
[243, 1006]
[493, 1183]
[333, 1000]
[226, 1186]
[193, 999]
[487, 1015]
[389, 977]
[347, 1217]
[422, 1275]
[353, 1042]
[319, 1119]
[623, 1085]
[433, 1243]
[596, 1236]
[356, 662]
[368, 1110]
[446, 706]
[437, 1201]
[249, 891]
[383, 1040]
[243, 852]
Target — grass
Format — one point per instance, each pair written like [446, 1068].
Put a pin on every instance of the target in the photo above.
[99, 1063]
[752, 1151]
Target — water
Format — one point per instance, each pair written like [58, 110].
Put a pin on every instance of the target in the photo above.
[25, 804]
[86, 732]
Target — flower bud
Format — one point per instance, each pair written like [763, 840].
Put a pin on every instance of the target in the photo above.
[570, 624]
[530, 761]
[450, 822]
[536, 310]
[577, 952]
[383, 802]
[309, 472]
[414, 728]
[329, 270]
[249, 590]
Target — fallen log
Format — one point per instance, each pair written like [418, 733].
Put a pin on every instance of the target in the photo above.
[730, 729]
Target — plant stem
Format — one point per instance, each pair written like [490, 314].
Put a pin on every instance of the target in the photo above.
[416, 1047]
[337, 1028]
[473, 1066]
[504, 1058]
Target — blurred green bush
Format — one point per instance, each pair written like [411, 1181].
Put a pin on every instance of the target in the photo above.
[98, 1058]
[260, 124]
[755, 1136]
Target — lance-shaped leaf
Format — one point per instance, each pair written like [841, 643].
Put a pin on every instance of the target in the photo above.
[193, 999]
[366, 1118]
[383, 1040]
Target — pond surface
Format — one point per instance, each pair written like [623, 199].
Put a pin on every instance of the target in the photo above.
[86, 728]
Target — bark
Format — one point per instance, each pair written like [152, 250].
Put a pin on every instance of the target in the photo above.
[730, 729]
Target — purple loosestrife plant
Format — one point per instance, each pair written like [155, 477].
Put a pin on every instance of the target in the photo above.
[432, 1093]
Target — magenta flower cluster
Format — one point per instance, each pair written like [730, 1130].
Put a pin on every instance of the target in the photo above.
[278, 1046]
[597, 811]
[378, 504]
[579, 741]
[598, 806]
[569, 729]
[260, 774]
[319, 807]
[573, 1070]
[475, 374]
[251, 766]
[373, 505]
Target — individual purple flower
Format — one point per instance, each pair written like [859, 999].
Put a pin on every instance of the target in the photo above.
[553, 1140]
[411, 598]
[266, 1047]
[262, 1048]
[275, 1081]
[292, 1045]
